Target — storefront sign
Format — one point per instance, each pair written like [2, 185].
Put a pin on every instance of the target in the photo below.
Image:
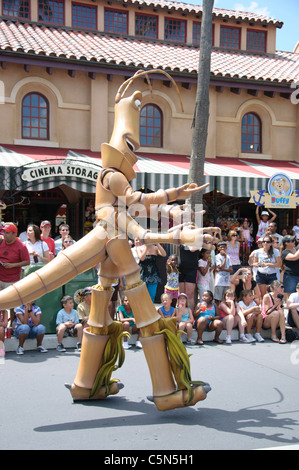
[280, 194]
[50, 171]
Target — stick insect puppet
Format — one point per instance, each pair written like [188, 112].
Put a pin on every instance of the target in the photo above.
[108, 244]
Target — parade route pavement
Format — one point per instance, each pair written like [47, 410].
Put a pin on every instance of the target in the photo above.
[253, 404]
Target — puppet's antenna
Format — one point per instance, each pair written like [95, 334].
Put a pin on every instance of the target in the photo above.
[125, 85]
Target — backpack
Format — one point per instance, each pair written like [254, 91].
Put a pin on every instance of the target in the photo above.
[291, 335]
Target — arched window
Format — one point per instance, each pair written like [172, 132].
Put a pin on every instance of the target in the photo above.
[251, 133]
[35, 117]
[151, 126]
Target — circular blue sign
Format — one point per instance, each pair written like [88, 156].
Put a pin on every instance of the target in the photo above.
[280, 185]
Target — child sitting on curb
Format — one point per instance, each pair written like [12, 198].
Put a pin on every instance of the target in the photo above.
[252, 314]
[208, 318]
[68, 323]
[184, 317]
[166, 310]
[126, 317]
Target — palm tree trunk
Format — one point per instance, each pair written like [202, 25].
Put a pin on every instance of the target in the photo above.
[201, 110]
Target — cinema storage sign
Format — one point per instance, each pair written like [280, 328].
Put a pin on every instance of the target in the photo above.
[65, 169]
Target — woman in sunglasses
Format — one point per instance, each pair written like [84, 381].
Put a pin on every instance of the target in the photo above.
[266, 259]
[67, 241]
[233, 250]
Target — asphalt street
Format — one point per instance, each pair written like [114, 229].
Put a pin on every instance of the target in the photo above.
[253, 404]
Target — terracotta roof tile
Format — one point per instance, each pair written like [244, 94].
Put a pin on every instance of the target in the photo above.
[217, 12]
[102, 48]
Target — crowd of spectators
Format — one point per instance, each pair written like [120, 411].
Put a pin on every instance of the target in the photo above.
[248, 280]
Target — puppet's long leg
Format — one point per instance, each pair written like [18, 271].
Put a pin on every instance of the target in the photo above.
[166, 357]
[102, 342]
[101, 348]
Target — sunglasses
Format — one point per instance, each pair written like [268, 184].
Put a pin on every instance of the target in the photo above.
[266, 241]
[234, 235]
[68, 241]
[282, 287]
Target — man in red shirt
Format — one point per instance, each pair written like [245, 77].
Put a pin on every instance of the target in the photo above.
[45, 228]
[13, 256]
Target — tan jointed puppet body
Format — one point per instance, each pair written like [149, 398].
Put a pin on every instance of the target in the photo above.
[102, 351]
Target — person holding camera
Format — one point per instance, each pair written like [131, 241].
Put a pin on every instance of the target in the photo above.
[272, 311]
[243, 280]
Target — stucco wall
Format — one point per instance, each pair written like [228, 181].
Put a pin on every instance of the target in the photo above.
[81, 113]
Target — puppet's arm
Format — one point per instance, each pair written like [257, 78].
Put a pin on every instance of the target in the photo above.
[120, 187]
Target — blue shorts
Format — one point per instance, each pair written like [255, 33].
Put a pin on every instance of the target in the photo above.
[262, 278]
[32, 332]
[290, 282]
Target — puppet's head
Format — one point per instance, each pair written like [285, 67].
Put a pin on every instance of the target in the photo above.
[119, 153]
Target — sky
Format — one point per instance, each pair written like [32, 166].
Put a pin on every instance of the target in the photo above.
[282, 10]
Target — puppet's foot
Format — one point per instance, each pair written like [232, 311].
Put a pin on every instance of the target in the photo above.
[80, 393]
[179, 399]
[98, 361]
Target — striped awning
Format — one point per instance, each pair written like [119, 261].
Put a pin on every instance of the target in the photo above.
[28, 168]
[40, 168]
[237, 177]
[234, 177]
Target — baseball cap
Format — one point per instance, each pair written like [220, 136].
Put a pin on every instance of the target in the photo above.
[288, 238]
[265, 213]
[86, 291]
[44, 222]
[10, 227]
[183, 295]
